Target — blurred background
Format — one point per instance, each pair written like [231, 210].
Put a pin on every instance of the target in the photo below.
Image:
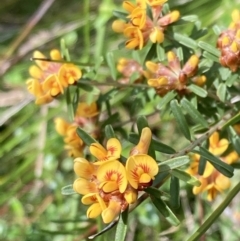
[33, 164]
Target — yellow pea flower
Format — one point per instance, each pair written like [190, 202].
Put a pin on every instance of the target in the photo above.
[141, 170]
[112, 176]
[112, 152]
[216, 146]
[87, 110]
[144, 142]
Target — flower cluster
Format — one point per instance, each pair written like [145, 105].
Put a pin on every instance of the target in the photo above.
[127, 67]
[49, 78]
[85, 117]
[229, 43]
[173, 77]
[106, 184]
[140, 27]
[212, 181]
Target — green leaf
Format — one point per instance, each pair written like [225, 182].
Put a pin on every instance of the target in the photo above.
[160, 53]
[162, 176]
[166, 99]
[221, 166]
[185, 40]
[153, 191]
[113, 118]
[235, 140]
[221, 92]
[75, 100]
[197, 90]
[141, 123]
[85, 137]
[165, 211]
[193, 112]
[190, 18]
[224, 73]
[85, 85]
[120, 15]
[161, 147]
[176, 162]
[111, 64]
[202, 165]
[210, 56]
[121, 230]
[181, 121]
[157, 145]
[231, 80]
[209, 48]
[109, 132]
[68, 190]
[231, 121]
[69, 105]
[180, 54]
[174, 192]
[182, 175]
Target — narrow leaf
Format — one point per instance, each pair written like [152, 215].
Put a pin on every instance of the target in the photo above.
[75, 101]
[141, 123]
[221, 91]
[111, 65]
[160, 53]
[166, 99]
[186, 177]
[121, 230]
[234, 139]
[210, 56]
[109, 132]
[174, 192]
[193, 112]
[87, 86]
[120, 15]
[68, 190]
[185, 40]
[202, 165]
[209, 48]
[165, 211]
[113, 118]
[197, 90]
[69, 105]
[176, 162]
[232, 121]
[85, 137]
[221, 166]
[181, 121]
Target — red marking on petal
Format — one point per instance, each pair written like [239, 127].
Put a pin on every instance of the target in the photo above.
[112, 149]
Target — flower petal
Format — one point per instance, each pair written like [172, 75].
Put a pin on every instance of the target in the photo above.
[111, 212]
[114, 149]
[137, 165]
[98, 151]
[94, 210]
[144, 142]
[83, 186]
[209, 169]
[112, 172]
[84, 168]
